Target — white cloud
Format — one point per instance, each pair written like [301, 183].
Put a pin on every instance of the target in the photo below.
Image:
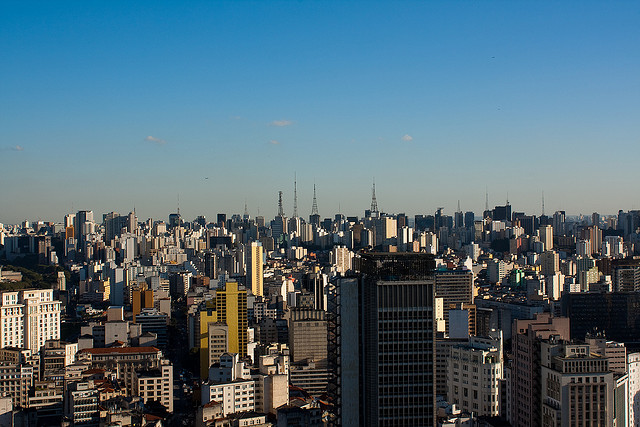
[407, 138]
[281, 123]
[18, 148]
[155, 140]
[274, 142]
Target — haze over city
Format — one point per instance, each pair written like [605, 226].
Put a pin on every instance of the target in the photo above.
[109, 107]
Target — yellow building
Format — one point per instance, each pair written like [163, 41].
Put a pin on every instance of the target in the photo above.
[141, 298]
[231, 310]
[255, 268]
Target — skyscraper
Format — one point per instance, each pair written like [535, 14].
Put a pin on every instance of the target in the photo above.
[381, 341]
[254, 268]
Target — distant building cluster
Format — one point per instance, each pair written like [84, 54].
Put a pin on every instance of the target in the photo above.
[503, 318]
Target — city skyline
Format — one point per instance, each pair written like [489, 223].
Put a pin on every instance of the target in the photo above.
[107, 108]
[188, 213]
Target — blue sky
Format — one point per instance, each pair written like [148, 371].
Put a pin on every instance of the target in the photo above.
[107, 105]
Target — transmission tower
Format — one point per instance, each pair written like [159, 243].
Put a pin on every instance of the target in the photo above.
[374, 202]
[295, 196]
[314, 207]
[280, 209]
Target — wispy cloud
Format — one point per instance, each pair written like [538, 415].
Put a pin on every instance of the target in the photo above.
[274, 142]
[281, 123]
[407, 137]
[155, 140]
[12, 148]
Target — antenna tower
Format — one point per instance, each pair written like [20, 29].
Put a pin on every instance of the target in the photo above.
[295, 195]
[246, 212]
[459, 206]
[280, 209]
[486, 199]
[314, 207]
[374, 202]
[542, 202]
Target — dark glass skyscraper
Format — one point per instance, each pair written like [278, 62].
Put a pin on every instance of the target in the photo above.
[381, 341]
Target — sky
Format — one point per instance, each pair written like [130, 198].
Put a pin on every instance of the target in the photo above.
[111, 106]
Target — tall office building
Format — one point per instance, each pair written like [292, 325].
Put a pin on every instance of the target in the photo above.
[230, 309]
[28, 318]
[454, 287]
[526, 374]
[382, 341]
[254, 268]
[83, 225]
[550, 263]
[546, 236]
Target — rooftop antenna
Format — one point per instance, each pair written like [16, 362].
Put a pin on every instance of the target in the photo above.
[459, 206]
[295, 195]
[178, 204]
[374, 202]
[542, 202]
[246, 212]
[280, 209]
[314, 207]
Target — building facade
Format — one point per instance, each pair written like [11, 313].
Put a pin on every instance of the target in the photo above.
[381, 339]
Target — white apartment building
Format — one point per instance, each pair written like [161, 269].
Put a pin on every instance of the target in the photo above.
[474, 373]
[155, 384]
[28, 318]
[235, 396]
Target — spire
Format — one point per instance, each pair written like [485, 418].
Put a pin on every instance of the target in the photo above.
[542, 202]
[280, 209]
[459, 206]
[178, 204]
[314, 207]
[507, 198]
[374, 202]
[246, 211]
[295, 195]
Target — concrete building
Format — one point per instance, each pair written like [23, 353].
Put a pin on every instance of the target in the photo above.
[123, 360]
[475, 371]
[28, 318]
[271, 392]
[546, 236]
[308, 336]
[155, 384]
[82, 404]
[154, 322]
[550, 263]
[577, 386]
[255, 274]
[634, 389]
[341, 257]
[496, 270]
[235, 396]
[526, 369]
[381, 341]
[228, 308]
[6, 411]
[454, 287]
[15, 381]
